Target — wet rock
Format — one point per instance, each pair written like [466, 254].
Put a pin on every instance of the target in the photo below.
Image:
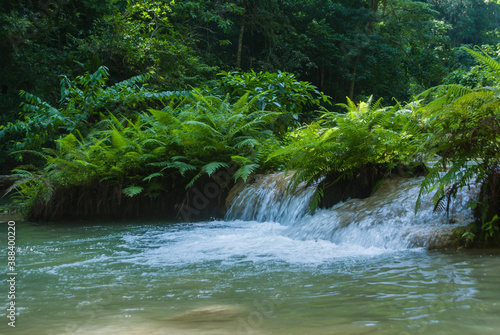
[439, 238]
[489, 198]
[236, 190]
[205, 200]
[362, 183]
[280, 181]
[6, 217]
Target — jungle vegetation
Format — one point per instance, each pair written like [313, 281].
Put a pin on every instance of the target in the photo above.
[139, 95]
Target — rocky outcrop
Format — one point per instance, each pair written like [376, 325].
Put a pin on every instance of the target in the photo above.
[105, 201]
[444, 237]
[361, 183]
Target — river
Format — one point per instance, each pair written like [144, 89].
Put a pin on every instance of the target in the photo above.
[254, 276]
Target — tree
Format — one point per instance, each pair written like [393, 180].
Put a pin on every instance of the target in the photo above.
[368, 47]
[473, 22]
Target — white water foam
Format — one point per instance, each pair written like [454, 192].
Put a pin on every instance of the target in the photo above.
[234, 242]
[387, 219]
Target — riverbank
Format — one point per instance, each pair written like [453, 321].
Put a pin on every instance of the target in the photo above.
[10, 217]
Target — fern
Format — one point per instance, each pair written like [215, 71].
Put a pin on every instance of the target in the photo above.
[245, 171]
[486, 60]
[194, 137]
[342, 143]
[83, 99]
[318, 195]
[211, 167]
[132, 191]
[464, 126]
[153, 175]
[181, 167]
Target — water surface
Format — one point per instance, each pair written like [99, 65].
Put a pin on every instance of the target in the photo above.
[136, 277]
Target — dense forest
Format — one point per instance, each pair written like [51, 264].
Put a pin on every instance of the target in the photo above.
[133, 100]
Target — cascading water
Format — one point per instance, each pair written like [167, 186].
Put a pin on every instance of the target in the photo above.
[385, 220]
[347, 270]
[268, 200]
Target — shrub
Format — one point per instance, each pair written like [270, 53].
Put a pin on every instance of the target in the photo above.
[82, 101]
[368, 134]
[198, 137]
[465, 126]
[281, 92]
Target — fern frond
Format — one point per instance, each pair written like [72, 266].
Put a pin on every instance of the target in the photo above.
[245, 171]
[485, 59]
[195, 178]
[152, 175]
[211, 167]
[133, 190]
[180, 166]
[316, 199]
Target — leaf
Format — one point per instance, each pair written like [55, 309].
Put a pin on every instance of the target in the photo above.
[132, 191]
[249, 142]
[152, 175]
[193, 180]
[245, 171]
[314, 203]
[117, 139]
[180, 166]
[240, 160]
[210, 168]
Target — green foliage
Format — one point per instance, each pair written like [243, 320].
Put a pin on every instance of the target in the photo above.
[363, 48]
[354, 48]
[30, 185]
[473, 77]
[132, 190]
[141, 37]
[469, 74]
[199, 137]
[214, 132]
[465, 125]
[367, 134]
[473, 21]
[490, 227]
[280, 92]
[82, 100]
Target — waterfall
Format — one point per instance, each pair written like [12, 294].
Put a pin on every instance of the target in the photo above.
[269, 199]
[387, 219]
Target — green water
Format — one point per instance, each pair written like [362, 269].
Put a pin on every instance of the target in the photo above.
[137, 278]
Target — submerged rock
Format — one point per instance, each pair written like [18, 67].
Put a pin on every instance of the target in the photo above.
[440, 238]
[210, 313]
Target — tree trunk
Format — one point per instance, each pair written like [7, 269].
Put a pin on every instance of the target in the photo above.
[240, 37]
[353, 78]
[322, 80]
